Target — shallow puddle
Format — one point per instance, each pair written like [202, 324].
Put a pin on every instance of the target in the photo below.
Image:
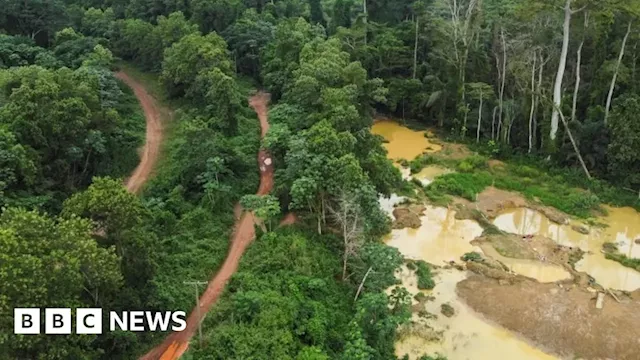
[623, 228]
[429, 173]
[543, 272]
[403, 143]
[467, 335]
[440, 238]
[404, 171]
[388, 204]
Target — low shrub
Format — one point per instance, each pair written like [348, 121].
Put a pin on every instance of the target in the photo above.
[425, 279]
[472, 256]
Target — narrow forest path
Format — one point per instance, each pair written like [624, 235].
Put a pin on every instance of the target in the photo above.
[153, 138]
[177, 343]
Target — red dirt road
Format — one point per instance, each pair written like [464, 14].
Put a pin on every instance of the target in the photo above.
[177, 343]
[153, 139]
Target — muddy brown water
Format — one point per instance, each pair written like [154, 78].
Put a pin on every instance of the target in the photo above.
[467, 335]
[543, 272]
[429, 173]
[623, 227]
[442, 238]
[403, 143]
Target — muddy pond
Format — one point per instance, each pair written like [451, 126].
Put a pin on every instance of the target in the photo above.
[621, 226]
[442, 238]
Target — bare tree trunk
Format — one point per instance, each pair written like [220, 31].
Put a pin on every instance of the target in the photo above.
[573, 142]
[466, 116]
[346, 214]
[578, 65]
[503, 80]
[415, 49]
[479, 117]
[634, 63]
[345, 257]
[493, 123]
[364, 7]
[324, 212]
[345, 238]
[362, 284]
[557, 88]
[533, 100]
[574, 106]
[615, 74]
[539, 93]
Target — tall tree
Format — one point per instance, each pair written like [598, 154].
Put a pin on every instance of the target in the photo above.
[557, 87]
[615, 73]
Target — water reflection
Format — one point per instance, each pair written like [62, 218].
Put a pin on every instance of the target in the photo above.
[623, 228]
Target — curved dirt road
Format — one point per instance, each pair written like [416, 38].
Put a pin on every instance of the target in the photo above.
[153, 138]
[177, 343]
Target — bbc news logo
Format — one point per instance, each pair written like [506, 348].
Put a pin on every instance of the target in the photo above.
[89, 321]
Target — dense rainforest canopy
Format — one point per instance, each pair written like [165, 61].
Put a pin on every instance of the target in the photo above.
[544, 79]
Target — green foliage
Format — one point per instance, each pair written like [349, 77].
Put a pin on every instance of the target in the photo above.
[534, 184]
[624, 159]
[185, 60]
[423, 272]
[383, 260]
[60, 127]
[281, 55]
[264, 207]
[633, 263]
[145, 43]
[38, 18]
[471, 256]
[283, 299]
[466, 185]
[119, 220]
[215, 15]
[97, 22]
[419, 163]
[68, 123]
[48, 262]
[316, 14]
[22, 51]
[246, 38]
[472, 163]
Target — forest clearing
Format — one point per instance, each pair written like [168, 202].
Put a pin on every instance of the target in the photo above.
[315, 180]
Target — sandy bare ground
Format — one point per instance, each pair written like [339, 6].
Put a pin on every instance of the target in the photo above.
[562, 320]
[177, 343]
[153, 138]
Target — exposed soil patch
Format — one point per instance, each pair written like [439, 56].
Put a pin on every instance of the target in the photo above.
[289, 219]
[492, 201]
[454, 151]
[562, 319]
[496, 164]
[408, 216]
[153, 139]
[531, 247]
[493, 272]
